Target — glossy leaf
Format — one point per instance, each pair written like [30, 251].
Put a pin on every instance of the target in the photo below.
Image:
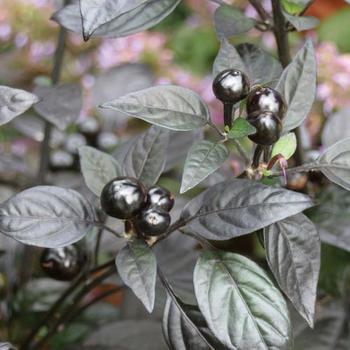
[293, 252]
[184, 327]
[230, 21]
[301, 23]
[137, 267]
[262, 67]
[298, 86]
[240, 303]
[95, 13]
[14, 102]
[236, 207]
[203, 159]
[47, 216]
[336, 128]
[60, 105]
[119, 81]
[169, 106]
[143, 17]
[146, 157]
[335, 163]
[331, 330]
[98, 168]
[228, 57]
[332, 217]
[286, 146]
[240, 128]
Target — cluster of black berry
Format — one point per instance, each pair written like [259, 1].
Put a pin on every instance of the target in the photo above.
[126, 198]
[265, 106]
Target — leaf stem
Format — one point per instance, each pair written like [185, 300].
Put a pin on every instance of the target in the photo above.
[299, 169]
[264, 15]
[71, 309]
[56, 306]
[55, 77]
[281, 35]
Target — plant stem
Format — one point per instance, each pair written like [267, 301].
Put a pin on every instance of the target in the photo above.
[257, 155]
[228, 111]
[259, 8]
[55, 77]
[56, 306]
[100, 297]
[281, 35]
[71, 309]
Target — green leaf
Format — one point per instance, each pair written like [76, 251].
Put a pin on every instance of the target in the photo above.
[184, 327]
[298, 86]
[95, 14]
[240, 303]
[202, 160]
[230, 21]
[285, 146]
[14, 102]
[146, 157]
[240, 128]
[172, 107]
[294, 7]
[301, 23]
[293, 252]
[97, 168]
[236, 207]
[335, 163]
[146, 15]
[137, 267]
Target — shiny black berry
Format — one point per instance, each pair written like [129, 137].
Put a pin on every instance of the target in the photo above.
[160, 197]
[231, 86]
[268, 127]
[63, 264]
[123, 197]
[152, 221]
[265, 99]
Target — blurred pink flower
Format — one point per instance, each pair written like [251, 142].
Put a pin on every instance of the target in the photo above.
[333, 76]
[5, 31]
[39, 50]
[131, 49]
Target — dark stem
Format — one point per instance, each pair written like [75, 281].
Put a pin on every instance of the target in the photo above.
[56, 306]
[71, 309]
[259, 8]
[228, 111]
[266, 155]
[100, 297]
[281, 35]
[97, 246]
[257, 155]
[55, 77]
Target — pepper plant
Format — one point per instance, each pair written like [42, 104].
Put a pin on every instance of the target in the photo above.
[237, 303]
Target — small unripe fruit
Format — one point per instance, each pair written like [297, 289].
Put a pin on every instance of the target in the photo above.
[152, 221]
[123, 198]
[265, 99]
[231, 86]
[268, 128]
[160, 197]
[63, 264]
